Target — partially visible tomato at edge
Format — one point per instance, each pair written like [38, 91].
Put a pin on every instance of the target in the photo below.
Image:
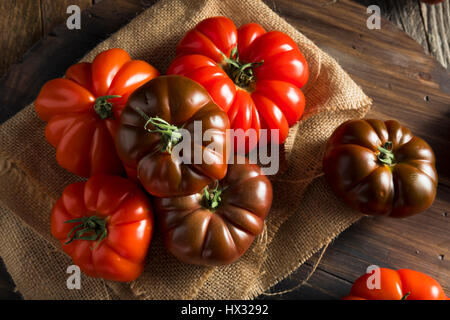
[402, 284]
[253, 75]
[82, 110]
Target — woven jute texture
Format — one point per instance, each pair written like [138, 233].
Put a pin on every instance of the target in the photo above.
[305, 214]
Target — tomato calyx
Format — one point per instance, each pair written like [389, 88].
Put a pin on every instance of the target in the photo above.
[91, 228]
[385, 154]
[405, 296]
[212, 197]
[241, 73]
[170, 134]
[103, 107]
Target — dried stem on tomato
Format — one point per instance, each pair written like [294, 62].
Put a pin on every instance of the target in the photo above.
[103, 107]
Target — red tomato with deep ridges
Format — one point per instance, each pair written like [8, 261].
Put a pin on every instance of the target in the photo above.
[403, 284]
[253, 75]
[82, 110]
[105, 224]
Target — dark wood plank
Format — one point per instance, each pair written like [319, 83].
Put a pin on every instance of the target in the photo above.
[393, 69]
[405, 14]
[20, 22]
[436, 20]
[321, 286]
[427, 24]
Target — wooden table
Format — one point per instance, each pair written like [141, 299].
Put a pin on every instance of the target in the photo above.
[404, 82]
[427, 24]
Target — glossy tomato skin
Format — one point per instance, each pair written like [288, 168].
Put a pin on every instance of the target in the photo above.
[129, 219]
[272, 100]
[355, 173]
[197, 234]
[397, 285]
[183, 103]
[83, 140]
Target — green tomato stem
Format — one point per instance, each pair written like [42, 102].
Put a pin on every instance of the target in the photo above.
[212, 198]
[406, 296]
[385, 154]
[88, 228]
[170, 134]
[241, 73]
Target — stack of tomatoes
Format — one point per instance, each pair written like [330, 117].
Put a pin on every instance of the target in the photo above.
[118, 123]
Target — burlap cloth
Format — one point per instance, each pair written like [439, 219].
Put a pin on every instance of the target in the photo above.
[305, 214]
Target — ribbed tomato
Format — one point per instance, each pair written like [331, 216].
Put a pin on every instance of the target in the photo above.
[151, 126]
[82, 110]
[105, 225]
[253, 75]
[403, 284]
[381, 168]
[217, 225]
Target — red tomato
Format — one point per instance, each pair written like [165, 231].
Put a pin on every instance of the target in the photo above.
[82, 110]
[105, 225]
[253, 75]
[403, 284]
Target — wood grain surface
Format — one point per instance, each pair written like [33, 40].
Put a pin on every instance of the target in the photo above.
[51, 12]
[393, 69]
[436, 20]
[427, 24]
[23, 20]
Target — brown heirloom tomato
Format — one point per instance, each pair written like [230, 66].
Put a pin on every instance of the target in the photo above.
[380, 168]
[150, 127]
[216, 226]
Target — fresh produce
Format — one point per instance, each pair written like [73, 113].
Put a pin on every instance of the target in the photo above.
[403, 284]
[105, 225]
[82, 110]
[380, 168]
[253, 75]
[117, 115]
[149, 129]
[217, 225]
